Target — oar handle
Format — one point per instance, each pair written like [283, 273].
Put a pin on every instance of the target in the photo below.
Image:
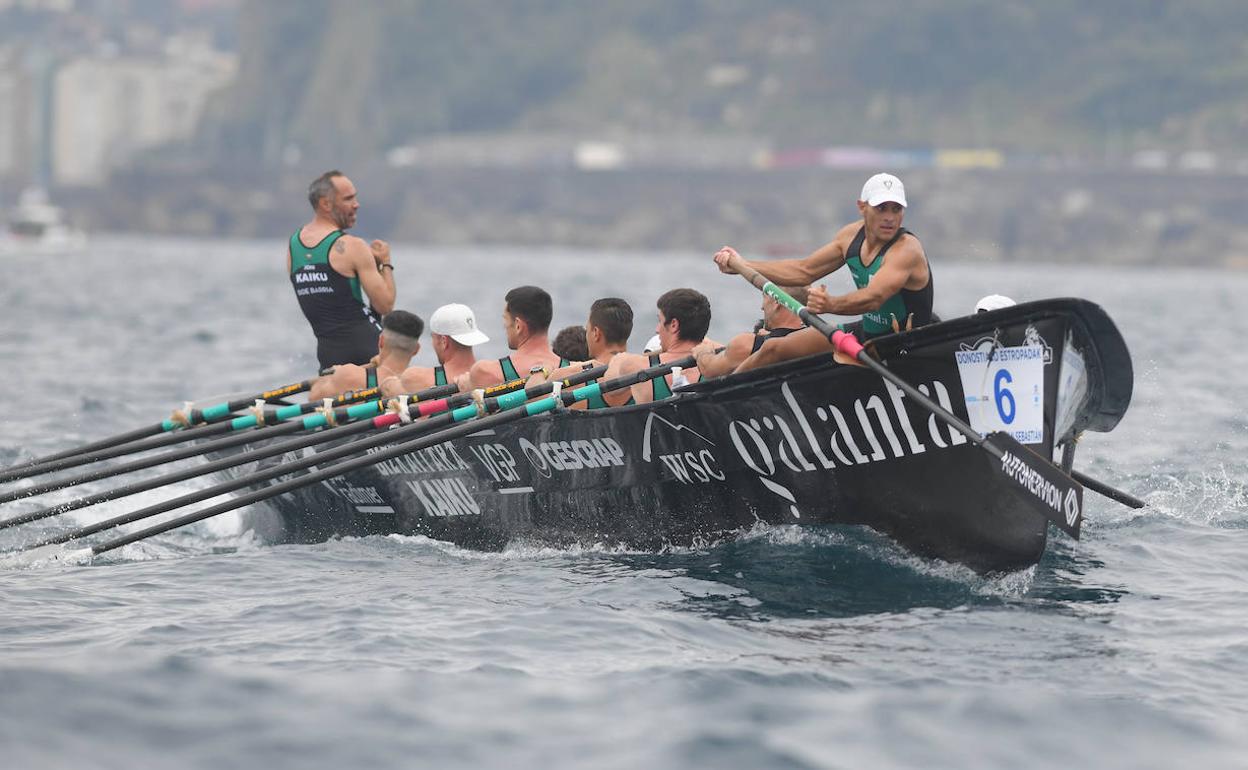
[844, 341]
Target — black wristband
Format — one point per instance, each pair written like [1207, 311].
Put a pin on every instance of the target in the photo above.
[384, 265]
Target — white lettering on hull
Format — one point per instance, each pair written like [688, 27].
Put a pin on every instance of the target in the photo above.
[693, 467]
[444, 497]
[873, 429]
[443, 458]
[550, 456]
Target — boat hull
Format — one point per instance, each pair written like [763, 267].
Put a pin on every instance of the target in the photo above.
[807, 442]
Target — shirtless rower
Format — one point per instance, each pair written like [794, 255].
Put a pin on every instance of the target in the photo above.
[684, 318]
[607, 330]
[778, 322]
[452, 333]
[527, 311]
[398, 342]
[889, 268]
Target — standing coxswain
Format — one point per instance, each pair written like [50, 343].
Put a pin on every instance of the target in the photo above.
[331, 272]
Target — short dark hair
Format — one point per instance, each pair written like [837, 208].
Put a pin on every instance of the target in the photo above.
[403, 322]
[614, 316]
[322, 187]
[570, 344]
[691, 308]
[533, 305]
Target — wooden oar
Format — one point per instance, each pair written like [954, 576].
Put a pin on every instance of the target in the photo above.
[1045, 488]
[314, 422]
[180, 420]
[513, 406]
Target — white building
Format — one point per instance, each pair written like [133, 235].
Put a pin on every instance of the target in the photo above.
[16, 123]
[107, 110]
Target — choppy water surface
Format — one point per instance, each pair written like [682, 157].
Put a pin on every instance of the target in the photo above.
[783, 648]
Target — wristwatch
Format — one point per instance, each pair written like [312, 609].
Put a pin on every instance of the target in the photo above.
[539, 369]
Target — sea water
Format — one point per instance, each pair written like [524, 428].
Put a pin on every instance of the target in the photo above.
[784, 647]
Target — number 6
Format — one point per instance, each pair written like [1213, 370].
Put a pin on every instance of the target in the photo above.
[1003, 396]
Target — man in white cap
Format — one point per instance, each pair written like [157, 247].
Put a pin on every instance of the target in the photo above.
[993, 302]
[889, 268]
[453, 332]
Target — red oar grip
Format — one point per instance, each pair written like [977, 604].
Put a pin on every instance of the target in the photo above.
[846, 343]
[427, 408]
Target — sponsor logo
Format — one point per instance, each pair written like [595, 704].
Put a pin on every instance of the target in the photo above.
[1032, 338]
[443, 458]
[1034, 482]
[695, 467]
[550, 456]
[498, 461]
[444, 497]
[1072, 507]
[354, 494]
[311, 277]
[875, 428]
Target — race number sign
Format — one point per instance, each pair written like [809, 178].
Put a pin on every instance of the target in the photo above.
[1004, 390]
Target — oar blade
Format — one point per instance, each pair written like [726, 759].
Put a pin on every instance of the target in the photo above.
[1044, 486]
[45, 554]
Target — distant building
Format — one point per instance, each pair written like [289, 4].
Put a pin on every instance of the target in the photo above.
[108, 109]
[16, 124]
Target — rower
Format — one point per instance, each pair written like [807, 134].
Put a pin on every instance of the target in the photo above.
[453, 333]
[398, 342]
[684, 318]
[606, 331]
[570, 344]
[527, 311]
[778, 321]
[993, 302]
[889, 268]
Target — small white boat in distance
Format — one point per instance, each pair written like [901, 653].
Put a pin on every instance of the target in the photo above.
[37, 226]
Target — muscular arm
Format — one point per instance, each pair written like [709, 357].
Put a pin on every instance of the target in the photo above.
[622, 364]
[713, 364]
[352, 257]
[413, 380]
[483, 374]
[340, 381]
[795, 272]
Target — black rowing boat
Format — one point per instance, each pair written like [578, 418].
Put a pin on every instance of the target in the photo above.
[806, 442]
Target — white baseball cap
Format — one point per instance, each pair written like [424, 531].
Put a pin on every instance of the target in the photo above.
[883, 187]
[653, 345]
[457, 322]
[993, 302]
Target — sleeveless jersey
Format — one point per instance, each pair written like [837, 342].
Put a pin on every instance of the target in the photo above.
[774, 334]
[900, 306]
[509, 369]
[439, 376]
[659, 387]
[346, 328]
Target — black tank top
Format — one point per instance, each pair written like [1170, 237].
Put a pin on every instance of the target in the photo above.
[346, 328]
[774, 334]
